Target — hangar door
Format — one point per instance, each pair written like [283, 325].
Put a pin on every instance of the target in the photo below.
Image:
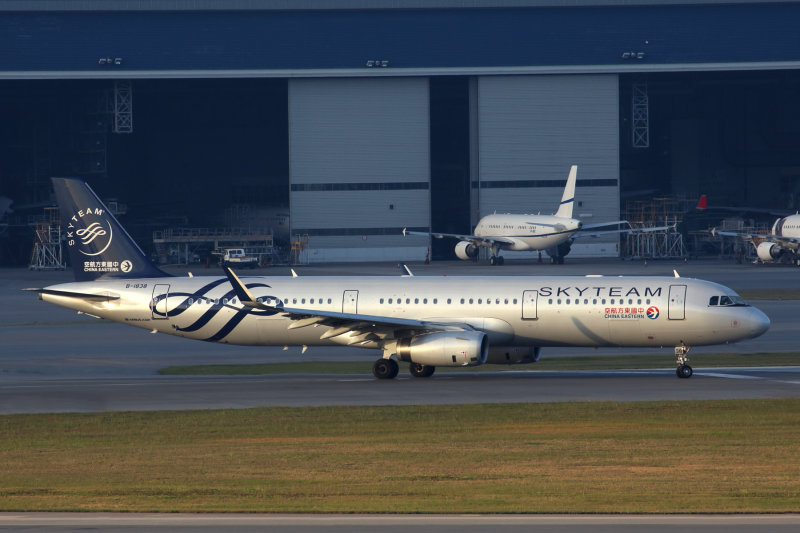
[530, 129]
[359, 167]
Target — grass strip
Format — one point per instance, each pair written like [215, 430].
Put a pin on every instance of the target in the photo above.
[736, 456]
[597, 362]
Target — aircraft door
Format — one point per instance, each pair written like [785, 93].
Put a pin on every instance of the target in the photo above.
[529, 305]
[159, 302]
[350, 302]
[677, 302]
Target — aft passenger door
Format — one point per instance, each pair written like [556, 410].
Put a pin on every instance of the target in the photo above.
[529, 305]
[350, 302]
[159, 302]
[677, 302]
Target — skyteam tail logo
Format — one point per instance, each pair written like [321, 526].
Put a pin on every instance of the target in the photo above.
[91, 233]
[652, 312]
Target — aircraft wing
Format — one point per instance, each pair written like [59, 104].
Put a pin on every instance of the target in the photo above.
[584, 233]
[757, 236]
[362, 328]
[474, 239]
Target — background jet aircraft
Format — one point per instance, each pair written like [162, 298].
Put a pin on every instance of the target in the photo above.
[519, 233]
[425, 321]
[783, 240]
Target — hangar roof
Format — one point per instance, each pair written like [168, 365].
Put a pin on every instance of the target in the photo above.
[286, 38]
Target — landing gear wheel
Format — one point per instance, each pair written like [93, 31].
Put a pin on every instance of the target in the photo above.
[385, 369]
[500, 260]
[421, 371]
[560, 259]
[684, 371]
[493, 260]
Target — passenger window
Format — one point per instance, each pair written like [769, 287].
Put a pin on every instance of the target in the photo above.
[435, 301]
[480, 300]
[594, 301]
[381, 300]
[303, 301]
[449, 301]
[585, 301]
[714, 300]
[567, 301]
[505, 301]
[416, 300]
[647, 301]
[639, 301]
[558, 301]
[515, 300]
[424, 300]
[603, 301]
[408, 300]
[550, 301]
[470, 300]
[462, 300]
[329, 300]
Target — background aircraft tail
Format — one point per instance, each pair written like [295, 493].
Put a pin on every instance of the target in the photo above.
[568, 198]
[98, 245]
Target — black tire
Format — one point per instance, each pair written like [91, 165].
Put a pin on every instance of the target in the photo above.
[493, 260]
[684, 371]
[385, 369]
[421, 371]
[500, 260]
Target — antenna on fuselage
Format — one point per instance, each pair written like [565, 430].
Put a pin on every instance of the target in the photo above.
[294, 274]
[676, 273]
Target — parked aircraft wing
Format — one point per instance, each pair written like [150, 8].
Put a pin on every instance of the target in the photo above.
[756, 236]
[475, 239]
[583, 233]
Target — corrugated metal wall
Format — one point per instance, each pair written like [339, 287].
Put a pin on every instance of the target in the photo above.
[359, 166]
[531, 129]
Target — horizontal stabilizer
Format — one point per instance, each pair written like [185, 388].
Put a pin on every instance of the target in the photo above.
[80, 295]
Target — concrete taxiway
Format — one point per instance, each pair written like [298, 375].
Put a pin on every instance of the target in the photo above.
[110, 522]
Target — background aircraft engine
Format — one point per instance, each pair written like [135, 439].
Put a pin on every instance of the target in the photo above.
[768, 251]
[466, 250]
[446, 348]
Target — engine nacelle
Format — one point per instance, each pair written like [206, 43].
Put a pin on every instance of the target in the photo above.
[466, 250]
[513, 355]
[768, 251]
[446, 348]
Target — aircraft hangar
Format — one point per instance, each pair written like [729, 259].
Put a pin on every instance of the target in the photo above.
[358, 118]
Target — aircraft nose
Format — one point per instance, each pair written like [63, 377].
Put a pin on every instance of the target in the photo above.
[759, 322]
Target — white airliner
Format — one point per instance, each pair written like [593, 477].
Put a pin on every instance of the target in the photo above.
[426, 321]
[783, 240]
[522, 233]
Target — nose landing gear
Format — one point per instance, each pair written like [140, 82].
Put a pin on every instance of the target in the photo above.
[683, 371]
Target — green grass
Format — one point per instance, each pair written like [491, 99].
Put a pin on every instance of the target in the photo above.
[650, 457]
[605, 362]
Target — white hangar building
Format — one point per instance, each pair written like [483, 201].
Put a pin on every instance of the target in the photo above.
[364, 117]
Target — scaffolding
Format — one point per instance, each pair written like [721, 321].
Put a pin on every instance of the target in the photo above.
[183, 246]
[300, 249]
[47, 251]
[655, 244]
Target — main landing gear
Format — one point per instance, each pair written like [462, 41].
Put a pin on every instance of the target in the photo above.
[496, 258]
[387, 368]
[684, 371]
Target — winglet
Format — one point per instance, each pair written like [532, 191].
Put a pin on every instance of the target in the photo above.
[408, 270]
[702, 204]
[244, 295]
[294, 274]
[676, 273]
[404, 231]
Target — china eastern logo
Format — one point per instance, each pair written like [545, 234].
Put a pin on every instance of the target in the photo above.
[652, 312]
[90, 232]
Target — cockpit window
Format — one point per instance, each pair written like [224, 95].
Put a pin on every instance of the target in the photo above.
[727, 300]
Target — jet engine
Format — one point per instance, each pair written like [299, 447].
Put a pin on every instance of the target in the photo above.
[513, 355]
[768, 251]
[446, 348]
[466, 250]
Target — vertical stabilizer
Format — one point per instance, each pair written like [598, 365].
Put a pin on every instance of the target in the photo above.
[568, 198]
[98, 245]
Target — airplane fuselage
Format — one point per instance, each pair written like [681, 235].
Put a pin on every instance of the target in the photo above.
[528, 232]
[512, 311]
